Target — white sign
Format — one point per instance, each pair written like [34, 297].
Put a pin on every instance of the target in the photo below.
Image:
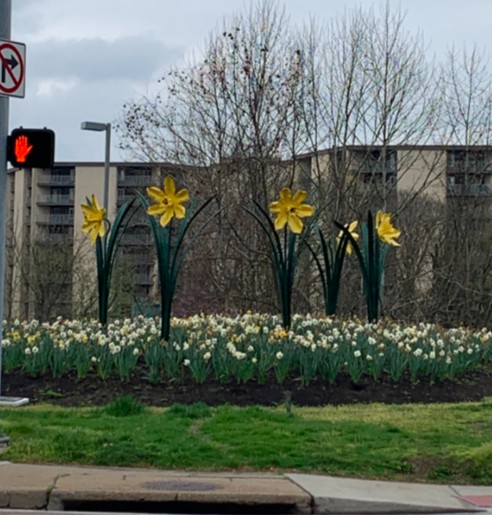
[12, 68]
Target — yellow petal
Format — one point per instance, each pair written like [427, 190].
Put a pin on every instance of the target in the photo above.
[95, 205]
[102, 230]
[304, 210]
[295, 224]
[179, 211]
[378, 218]
[385, 220]
[299, 197]
[275, 207]
[166, 217]
[391, 235]
[156, 194]
[182, 195]
[280, 221]
[156, 209]
[285, 195]
[87, 213]
[86, 226]
[386, 232]
[169, 186]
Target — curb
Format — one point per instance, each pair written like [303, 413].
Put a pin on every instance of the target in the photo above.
[92, 490]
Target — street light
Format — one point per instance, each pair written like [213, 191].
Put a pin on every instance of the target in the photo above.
[96, 126]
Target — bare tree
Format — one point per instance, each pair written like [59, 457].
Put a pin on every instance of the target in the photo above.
[466, 90]
[344, 109]
[365, 77]
[461, 270]
[234, 112]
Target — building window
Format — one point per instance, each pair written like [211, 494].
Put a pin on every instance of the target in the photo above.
[134, 176]
[467, 172]
[379, 168]
[466, 161]
[62, 175]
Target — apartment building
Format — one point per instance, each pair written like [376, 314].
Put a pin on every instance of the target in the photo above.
[45, 242]
[50, 265]
[440, 172]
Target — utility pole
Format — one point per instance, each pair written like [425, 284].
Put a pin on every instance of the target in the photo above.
[5, 24]
[5, 29]
[5, 19]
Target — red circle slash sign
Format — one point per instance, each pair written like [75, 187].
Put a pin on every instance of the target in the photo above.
[12, 68]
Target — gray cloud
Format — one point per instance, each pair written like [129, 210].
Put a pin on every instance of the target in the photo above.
[73, 75]
[25, 16]
[63, 110]
[133, 58]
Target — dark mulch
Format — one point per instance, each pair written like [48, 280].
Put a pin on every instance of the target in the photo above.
[67, 391]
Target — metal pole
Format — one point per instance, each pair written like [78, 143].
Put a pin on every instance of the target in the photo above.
[5, 24]
[106, 167]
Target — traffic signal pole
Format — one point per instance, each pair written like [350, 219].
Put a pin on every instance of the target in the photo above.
[5, 27]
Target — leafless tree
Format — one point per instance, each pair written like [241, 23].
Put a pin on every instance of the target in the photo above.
[457, 263]
[343, 109]
[234, 112]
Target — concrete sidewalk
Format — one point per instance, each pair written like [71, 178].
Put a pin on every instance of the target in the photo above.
[91, 489]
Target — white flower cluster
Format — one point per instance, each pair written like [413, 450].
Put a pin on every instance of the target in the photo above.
[254, 339]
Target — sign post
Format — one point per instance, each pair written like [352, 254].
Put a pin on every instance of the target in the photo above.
[12, 83]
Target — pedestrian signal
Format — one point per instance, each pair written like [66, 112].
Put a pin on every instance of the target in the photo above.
[31, 148]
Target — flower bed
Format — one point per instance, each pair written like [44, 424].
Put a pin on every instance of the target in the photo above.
[243, 348]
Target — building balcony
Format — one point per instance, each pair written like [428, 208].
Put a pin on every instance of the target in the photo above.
[56, 219]
[471, 169]
[469, 190]
[135, 180]
[56, 200]
[55, 180]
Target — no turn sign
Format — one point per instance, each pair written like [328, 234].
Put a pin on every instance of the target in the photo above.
[12, 68]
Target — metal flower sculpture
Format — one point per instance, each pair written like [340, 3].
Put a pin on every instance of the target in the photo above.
[377, 235]
[168, 205]
[106, 237]
[288, 210]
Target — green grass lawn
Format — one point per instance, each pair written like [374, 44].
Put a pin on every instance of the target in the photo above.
[438, 442]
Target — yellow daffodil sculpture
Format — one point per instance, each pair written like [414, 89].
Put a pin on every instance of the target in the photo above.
[386, 232]
[106, 238]
[329, 260]
[378, 234]
[168, 205]
[94, 219]
[289, 210]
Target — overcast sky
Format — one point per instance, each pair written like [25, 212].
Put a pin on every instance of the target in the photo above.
[85, 58]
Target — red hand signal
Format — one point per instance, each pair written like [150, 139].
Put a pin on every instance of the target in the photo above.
[22, 148]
